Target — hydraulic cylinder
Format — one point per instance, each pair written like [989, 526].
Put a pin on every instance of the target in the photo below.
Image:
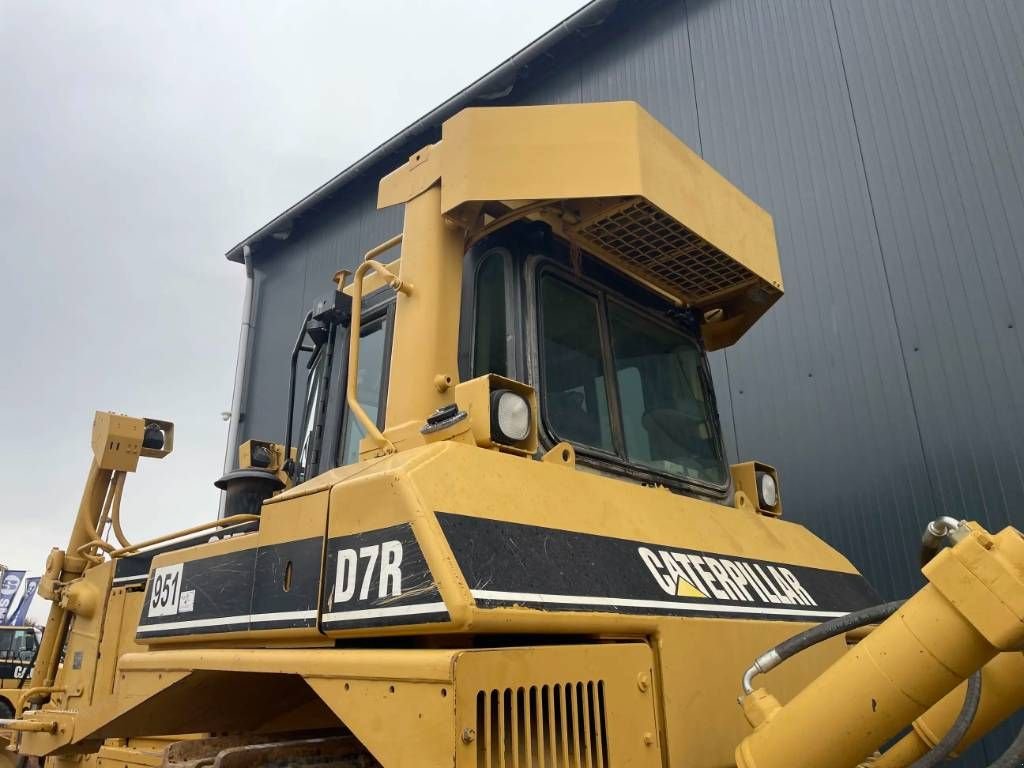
[1002, 694]
[971, 609]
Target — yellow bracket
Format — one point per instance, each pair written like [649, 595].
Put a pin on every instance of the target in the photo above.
[30, 726]
[32, 693]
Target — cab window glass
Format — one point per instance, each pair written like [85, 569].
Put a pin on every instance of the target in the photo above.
[575, 392]
[666, 419]
[626, 382]
[316, 385]
[17, 645]
[490, 340]
[369, 381]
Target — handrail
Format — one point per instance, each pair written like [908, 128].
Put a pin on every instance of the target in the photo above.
[221, 523]
[395, 282]
[387, 245]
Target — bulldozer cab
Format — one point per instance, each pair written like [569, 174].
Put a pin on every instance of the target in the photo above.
[596, 268]
[621, 373]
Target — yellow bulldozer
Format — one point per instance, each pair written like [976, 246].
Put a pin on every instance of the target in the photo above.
[18, 645]
[502, 530]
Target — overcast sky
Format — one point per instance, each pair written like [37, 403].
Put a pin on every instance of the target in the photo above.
[138, 142]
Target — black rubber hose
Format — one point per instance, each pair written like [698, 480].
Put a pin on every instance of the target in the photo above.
[837, 626]
[794, 645]
[1014, 756]
[944, 748]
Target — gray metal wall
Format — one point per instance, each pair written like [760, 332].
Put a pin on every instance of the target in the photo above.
[886, 139]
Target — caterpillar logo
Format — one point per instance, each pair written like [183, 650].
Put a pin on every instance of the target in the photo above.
[693, 576]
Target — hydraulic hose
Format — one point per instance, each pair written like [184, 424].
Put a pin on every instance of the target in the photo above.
[801, 642]
[944, 748]
[115, 510]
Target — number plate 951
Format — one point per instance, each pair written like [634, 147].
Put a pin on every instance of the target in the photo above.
[165, 589]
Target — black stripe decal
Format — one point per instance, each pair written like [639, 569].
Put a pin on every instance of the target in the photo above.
[269, 596]
[13, 670]
[379, 578]
[235, 592]
[556, 570]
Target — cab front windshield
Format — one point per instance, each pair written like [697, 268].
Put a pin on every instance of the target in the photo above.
[621, 383]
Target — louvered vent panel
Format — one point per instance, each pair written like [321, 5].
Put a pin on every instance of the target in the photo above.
[542, 726]
[643, 237]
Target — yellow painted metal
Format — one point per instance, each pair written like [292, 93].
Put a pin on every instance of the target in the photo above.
[276, 453]
[121, 753]
[972, 608]
[744, 478]
[589, 168]
[588, 705]
[474, 398]
[426, 326]
[62, 569]
[1002, 694]
[117, 441]
[32, 726]
[117, 445]
[698, 658]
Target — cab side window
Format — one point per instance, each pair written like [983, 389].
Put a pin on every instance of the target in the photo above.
[490, 336]
[575, 392]
[17, 645]
[25, 644]
[370, 388]
[6, 644]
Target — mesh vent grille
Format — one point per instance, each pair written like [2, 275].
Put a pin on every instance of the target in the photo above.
[667, 253]
[542, 725]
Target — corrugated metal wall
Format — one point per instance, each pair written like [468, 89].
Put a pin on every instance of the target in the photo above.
[886, 139]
